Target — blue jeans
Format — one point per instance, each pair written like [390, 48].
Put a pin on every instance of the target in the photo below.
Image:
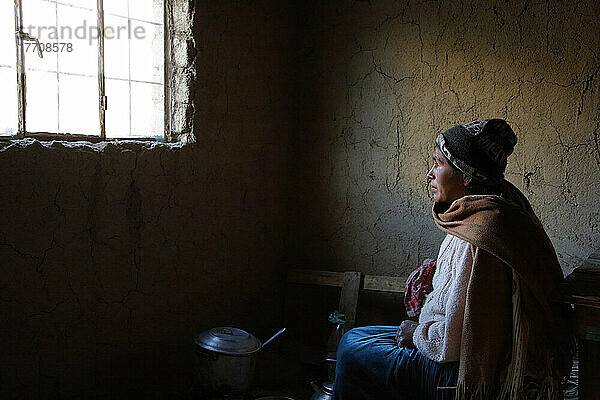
[372, 366]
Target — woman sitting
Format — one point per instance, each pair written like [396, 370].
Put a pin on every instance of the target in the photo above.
[488, 329]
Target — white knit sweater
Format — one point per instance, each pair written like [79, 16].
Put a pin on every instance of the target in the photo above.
[439, 331]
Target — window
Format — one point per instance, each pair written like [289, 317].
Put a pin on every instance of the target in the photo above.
[61, 78]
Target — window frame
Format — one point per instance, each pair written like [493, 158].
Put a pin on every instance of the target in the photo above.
[20, 38]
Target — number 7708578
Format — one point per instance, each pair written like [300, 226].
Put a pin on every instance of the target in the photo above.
[50, 47]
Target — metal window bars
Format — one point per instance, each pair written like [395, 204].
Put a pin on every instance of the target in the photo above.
[23, 37]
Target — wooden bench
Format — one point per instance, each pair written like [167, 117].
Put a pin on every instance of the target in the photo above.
[351, 283]
[582, 289]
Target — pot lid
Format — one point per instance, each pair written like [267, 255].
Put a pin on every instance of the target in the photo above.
[230, 341]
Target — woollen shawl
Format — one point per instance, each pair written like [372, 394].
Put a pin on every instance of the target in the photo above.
[511, 327]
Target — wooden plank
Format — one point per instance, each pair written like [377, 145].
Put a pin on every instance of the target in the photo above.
[353, 282]
[587, 268]
[380, 283]
[587, 321]
[588, 327]
[593, 302]
[589, 369]
[314, 277]
[582, 286]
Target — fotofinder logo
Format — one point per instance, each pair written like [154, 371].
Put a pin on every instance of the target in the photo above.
[83, 32]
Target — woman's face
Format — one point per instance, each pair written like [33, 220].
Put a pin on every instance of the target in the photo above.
[447, 184]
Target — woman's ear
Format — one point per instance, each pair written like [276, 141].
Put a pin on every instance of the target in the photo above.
[466, 180]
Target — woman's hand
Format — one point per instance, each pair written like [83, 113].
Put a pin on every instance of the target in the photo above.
[404, 335]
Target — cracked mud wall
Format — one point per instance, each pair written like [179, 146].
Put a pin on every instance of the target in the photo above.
[112, 259]
[378, 80]
[114, 256]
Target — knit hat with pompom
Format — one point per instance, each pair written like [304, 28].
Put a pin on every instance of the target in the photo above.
[479, 149]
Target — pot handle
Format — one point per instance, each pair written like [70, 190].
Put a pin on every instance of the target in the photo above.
[273, 337]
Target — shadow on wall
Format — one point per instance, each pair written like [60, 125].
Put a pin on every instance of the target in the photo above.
[113, 259]
[386, 77]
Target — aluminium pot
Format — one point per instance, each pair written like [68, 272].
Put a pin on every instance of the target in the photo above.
[225, 360]
[323, 391]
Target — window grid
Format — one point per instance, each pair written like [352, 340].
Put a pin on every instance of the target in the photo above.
[20, 67]
[21, 74]
[57, 77]
[129, 69]
[101, 82]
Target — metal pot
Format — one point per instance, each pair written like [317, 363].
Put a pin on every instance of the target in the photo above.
[322, 392]
[225, 360]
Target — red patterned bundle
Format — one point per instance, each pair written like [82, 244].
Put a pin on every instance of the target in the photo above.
[418, 284]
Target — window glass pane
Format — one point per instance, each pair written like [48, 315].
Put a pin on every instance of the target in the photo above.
[41, 112]
[42, 102]
[8, 71]
[7, 34]
[147, 10]
[147, 109]
[62, 87]
[78, 93]
[134, 68]
[117, 114]
[39, 20]
[115, 7]
[147, 50]
[9, 120]
[85, 4]
[116, 47]
[83, 36]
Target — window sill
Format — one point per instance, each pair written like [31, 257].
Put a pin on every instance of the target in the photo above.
[79, 138]
[89, 145]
